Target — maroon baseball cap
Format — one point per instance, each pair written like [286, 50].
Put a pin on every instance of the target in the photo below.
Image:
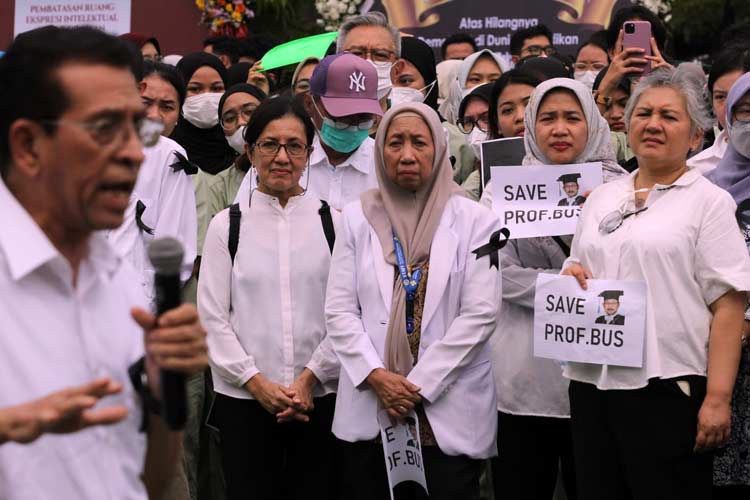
[347, 85]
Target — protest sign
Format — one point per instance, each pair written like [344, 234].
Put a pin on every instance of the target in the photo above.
[604, 325]
[112, 17]
[402, 449]
[507, 151]
[542, 200]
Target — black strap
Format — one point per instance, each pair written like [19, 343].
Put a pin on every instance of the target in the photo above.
[235, 214]
[493, 247]
[184, 164]
[327, 221]
[563, 246]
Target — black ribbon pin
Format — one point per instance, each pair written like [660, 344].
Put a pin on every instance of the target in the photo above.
[494, 246]
[183, 163]
[140, 207]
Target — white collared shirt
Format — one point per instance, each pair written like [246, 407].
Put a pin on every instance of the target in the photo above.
[265, 313]
[338, 185]
[709, 158]
[169, 198]
[54, 336]
[688, 249]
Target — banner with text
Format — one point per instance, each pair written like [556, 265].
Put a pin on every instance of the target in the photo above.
[403, 450]
[112, 17]
[492, 23]
[604, 325]
[542, 200]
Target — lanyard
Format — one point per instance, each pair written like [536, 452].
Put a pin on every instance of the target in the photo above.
[409, 281]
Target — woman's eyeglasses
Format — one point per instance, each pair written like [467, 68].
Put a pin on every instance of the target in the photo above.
[271, 148]
[628, 208]
[466, 125]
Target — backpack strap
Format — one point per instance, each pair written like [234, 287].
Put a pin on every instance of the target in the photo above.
[327, 221]
[563, 246]
[235, 214]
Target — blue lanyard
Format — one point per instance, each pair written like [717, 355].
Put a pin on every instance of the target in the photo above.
[409, 281]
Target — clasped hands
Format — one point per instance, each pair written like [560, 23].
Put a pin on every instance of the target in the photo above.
[287, 403]
[398, 395]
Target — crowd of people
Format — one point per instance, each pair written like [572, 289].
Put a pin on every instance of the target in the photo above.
[341, 256]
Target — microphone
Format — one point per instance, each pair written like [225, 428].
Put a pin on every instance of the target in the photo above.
[166, 255]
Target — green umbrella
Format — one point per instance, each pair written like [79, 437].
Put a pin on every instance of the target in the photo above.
[296, 51]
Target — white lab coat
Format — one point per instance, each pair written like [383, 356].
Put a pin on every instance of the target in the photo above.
[462, 300]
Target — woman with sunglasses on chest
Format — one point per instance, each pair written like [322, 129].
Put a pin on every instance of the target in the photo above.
[642, 433]
[261, 298]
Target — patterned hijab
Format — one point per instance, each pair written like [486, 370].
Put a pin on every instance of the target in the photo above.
[599, 142]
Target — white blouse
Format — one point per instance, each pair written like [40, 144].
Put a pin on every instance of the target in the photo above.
[709, 158]
[265, 313]
[688, 249]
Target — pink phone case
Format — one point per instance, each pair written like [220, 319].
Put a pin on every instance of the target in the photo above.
[640, 38]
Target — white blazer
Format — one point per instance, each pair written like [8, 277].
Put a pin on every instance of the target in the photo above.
[462, 299]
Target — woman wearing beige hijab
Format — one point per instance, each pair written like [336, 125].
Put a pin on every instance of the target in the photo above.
[422, 346]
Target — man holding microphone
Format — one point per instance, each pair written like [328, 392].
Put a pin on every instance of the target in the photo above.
[72, 131]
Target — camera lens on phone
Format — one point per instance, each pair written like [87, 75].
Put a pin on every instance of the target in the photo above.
[629, 28]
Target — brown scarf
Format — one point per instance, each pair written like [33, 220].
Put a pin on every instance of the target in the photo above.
[413, 216]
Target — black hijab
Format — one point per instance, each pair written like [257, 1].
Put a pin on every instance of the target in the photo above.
[422, 57]
[208, 148]
[243, 163]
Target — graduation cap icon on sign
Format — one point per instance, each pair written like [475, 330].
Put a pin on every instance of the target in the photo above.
[611, 294]
[565, 178]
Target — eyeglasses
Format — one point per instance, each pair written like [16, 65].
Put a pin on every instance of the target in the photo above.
[376, 55]
[106, 130]
[741, 113]
[231, 117]
[466, 125]
[584, 66]
[271, 148]
[537, 50]
[302, 86]
[628, 208]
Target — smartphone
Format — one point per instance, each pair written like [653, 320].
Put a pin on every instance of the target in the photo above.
[638, 34]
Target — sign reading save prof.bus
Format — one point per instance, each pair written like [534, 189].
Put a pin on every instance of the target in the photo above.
[604, 325]
[111, 16]
[542, 200]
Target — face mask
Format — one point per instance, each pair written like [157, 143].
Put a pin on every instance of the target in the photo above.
[340, 136]
[384, 78]
[739, 136]
[401, 95]
[476, 137]
[202, 110]
[586, 77]
[237, 140]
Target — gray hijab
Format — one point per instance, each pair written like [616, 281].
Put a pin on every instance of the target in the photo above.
[599, 142]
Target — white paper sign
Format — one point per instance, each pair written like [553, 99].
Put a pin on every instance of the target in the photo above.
[403, 450]
[604, 325]
[542, 200]
[111, 16]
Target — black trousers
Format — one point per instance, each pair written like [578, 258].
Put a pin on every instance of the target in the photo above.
[638, 444]
[531, 451]
[264, 460]
[363, 475]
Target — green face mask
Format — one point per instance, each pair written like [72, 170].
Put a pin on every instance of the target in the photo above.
[343, 137]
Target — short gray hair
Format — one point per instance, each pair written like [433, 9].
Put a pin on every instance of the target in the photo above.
[370, 19]
[689, 80]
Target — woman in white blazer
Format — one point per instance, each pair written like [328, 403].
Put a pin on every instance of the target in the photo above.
[436, 360]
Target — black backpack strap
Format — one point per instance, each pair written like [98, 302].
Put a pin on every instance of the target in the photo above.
[235, 214]
[563, 246]
[327, 221]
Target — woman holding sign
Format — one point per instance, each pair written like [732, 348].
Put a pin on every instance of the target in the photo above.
[648, 432]
[412, 297]
[563, 126]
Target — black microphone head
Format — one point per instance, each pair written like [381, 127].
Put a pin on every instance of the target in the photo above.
[166, 255]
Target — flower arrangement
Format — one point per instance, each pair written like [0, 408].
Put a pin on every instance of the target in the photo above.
[333, 12]
[226, 17]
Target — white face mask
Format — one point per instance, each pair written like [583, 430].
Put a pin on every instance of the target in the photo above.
[237, 140]
[202, 110]
[384, 78]
[586, 77]
[475, 138]
[739, 136]
[401, 95]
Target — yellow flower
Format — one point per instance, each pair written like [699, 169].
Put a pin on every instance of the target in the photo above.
[201, 4]
[229, 7]
[236, 16]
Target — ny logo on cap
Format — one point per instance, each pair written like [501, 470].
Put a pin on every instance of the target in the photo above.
[357, 82]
